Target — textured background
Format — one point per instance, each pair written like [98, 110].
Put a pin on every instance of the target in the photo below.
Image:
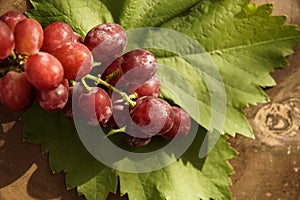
[266, 168]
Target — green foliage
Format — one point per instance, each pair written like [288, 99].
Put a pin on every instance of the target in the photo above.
[245, 49]
[245, 44]
[188, 178]
[81, 15]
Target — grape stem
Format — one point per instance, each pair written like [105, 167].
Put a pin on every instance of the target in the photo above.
[98, 81]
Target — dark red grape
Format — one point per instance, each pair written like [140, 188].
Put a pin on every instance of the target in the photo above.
[77, 38]
[149, 88]
[7, 41]
[181, 126]
[71, 108]
[138, 66]
[12, 18]
[29, 36]
[106, 41]
[44, 71]
[152, 116]
[76, 59]
[15, 91]
[95, 106]
[120, 110]
[137, 142]
[113, 71]
[55, 35]
[54, 100]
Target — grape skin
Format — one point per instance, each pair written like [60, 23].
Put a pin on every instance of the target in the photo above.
[120, 111]
[181, 126]
[151, 115]
[77, 38]
[137, 142]
[55, 35]
[29, 36]
[106, 41]
[113, 68]
[15, 91]
[149, 88]
[77, 60]
[7, 41]
[44, 71]
[12, 18]
[138, 66]
[95, 106]
[71, 107]
[54, 100]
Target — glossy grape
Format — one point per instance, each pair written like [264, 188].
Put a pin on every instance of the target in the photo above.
[106, 41]
[54, 100]
[15, 91]
[138, 66]
[151, 115]
[29, 36]
[77, 38]
[76, 59]
[95, 106]
[12, 18]
[120, 111]
[71, 107]
[44, 71]
[181, 126]
[149, 88]
[55, 35]
[7, 40]
[113, 72]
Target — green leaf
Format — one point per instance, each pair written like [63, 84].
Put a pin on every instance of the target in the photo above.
[60, 139]
[139, 13]
[80, 15]
[245, 43]
[188, 178]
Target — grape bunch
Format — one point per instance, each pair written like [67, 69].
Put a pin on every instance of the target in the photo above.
[88, 77]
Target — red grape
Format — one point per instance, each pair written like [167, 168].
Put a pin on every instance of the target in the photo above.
[149, 88]
[15, 91]
[138, 66]
[12, 18]
[152, 116]
[76, 59]
[7, 41]
[29, 36]
[54, 100]
[77, 38]
[55, 35]
[44, 71]
[106, 41]
[95, 106]
[120, 111]
[115, 69]
[136, 141]
[181, 126]
[72, 104]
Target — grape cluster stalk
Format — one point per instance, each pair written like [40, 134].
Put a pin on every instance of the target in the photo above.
[58, 69]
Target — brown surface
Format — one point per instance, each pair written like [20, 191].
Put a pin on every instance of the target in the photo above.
[266, 168]
[269, 166]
